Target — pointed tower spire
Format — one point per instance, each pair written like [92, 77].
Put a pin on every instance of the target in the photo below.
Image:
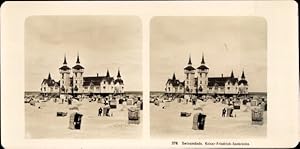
[77, 61]
[232, 76]
[107, 73]
[174, 77]
[202, 61]
[243, 76]
[65, 60]
[119, 75]
[190, 61]
[49, 76]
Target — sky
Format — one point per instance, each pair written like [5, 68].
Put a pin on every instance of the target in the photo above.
[103, 42]
[228, 43]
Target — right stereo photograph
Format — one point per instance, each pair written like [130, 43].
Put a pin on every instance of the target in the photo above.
[208, 77]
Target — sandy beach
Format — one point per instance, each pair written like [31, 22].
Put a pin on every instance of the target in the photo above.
[43, 123]
[167, 123]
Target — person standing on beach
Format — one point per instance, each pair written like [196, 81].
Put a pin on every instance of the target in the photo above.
[69, 101]
[100, 111]
[231, 111]
[223, 112]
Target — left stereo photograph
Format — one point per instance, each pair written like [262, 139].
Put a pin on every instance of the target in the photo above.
[83, 77]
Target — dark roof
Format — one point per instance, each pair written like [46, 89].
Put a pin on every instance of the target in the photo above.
[119, 75]
[97, 83]
[173, 82]
[245, 82]
[232, 75]
[49, 77]
[107, 73]
[96, 80]
[189, 68]
[190, 61]
[120, 81]
[243, 75]
[109, 79]
[50, 82]
[174, 77]
[233, 80]
[220, 81]
[65, 60]
[89, 79]
[77, 67]
[86, 83]
[202, 67]
[77, 61]
[64, 68]
[202, 61]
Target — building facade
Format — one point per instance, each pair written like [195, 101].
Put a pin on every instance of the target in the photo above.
[73, 81]
[197, 82]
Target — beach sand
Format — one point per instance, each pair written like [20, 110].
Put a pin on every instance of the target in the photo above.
[167, 123]
[43, 123]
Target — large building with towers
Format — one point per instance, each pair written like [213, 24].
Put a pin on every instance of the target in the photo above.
[72, 81]
[197, 82]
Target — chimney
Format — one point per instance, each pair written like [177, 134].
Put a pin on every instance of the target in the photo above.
[222, 75]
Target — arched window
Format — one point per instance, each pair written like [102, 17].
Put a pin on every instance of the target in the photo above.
[187, 89]
[200, 89]
[76, 88]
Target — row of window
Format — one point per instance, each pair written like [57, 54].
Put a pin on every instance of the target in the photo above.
[80, 82]
[97, 88]
[210, 88]
[63, 75]
[187, 82]
[228, 88]
[204, 73]
[187, 75]
[51, 89]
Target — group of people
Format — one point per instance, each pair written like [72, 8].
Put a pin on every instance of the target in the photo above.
[105, 110]
[228, 111]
